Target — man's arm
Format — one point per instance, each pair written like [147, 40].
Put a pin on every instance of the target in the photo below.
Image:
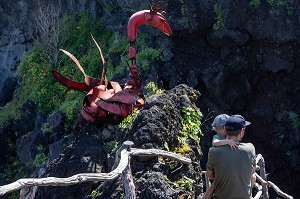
[209, 191]
[210, 173]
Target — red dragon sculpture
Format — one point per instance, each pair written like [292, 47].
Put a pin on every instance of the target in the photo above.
[107, 101]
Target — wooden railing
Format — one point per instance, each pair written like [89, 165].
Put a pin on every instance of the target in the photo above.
[121, 168]
[261, 181]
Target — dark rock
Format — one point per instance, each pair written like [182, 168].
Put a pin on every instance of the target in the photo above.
[107, 135]
[225, 37]
[160, 119]
[295, 160]
[27, 145]
[55, 149]
[83, 155]
[153, 185]
[276, 64]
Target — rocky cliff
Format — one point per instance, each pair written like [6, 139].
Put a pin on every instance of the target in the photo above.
[241, 55]
[18, 33]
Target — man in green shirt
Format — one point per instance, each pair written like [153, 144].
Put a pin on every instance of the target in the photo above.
[231, 170]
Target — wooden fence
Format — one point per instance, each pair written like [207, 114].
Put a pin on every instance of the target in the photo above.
[122, 168]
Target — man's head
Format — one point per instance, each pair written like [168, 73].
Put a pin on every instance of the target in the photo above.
[219, 121]
[235, 124]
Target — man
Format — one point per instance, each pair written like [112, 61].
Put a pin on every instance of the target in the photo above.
[231, 170]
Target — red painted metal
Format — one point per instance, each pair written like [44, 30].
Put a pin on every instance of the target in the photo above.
[107, 101]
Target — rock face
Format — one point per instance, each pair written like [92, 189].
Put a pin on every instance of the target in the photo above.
[88, 153]
[17, 33]
[84, 155]
[241, 57]
[16, 38]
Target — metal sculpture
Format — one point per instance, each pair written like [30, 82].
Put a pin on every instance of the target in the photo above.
[107, 101]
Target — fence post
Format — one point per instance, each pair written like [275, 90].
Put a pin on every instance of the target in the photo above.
[262, 172]
[127, 178]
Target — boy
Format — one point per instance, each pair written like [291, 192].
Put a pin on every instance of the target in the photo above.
[218, 126]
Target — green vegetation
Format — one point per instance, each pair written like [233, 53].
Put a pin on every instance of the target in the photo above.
[254, 3]
[40, 159]
[127, 122]
[112, 145]
[275, 4]
[185, 183]
[13, 169]
[112, 7]
[219, 17]
[183, 10]
[191, 121]
[9, 111]
[147, 55]
[39, 86]
[294, 119]
[289, 9]
[152, 89]
[95, 193]
[144, 55]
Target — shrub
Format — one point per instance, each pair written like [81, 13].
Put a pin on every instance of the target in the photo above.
[191, 121]
[153, 89]
[294, 119]
[219, 17]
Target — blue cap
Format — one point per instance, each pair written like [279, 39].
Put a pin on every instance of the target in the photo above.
[220, 120]
[236, 122]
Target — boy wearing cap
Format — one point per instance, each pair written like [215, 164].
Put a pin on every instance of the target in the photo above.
[230, 169]
[220, 138]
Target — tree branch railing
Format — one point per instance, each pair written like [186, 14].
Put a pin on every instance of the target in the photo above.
[120, 168]
[261, 182]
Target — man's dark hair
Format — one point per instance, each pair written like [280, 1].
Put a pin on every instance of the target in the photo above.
[231, 132]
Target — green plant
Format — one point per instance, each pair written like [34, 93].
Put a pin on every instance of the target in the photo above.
[113, 146]
[274, 3]
[112, 7]
[185, 183]
[294, 119]
[183, 10]
[95, 193]
[47, 127]
[191, 121]
[40, 159]
[274, 11]
[147, 55]
[183, 148]
[14, 169]
[171, 164]
[152, 89]
[166, 146]
[70, 106]
[219, 17]
[127, 122]
[10, 111]
[254, 3]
